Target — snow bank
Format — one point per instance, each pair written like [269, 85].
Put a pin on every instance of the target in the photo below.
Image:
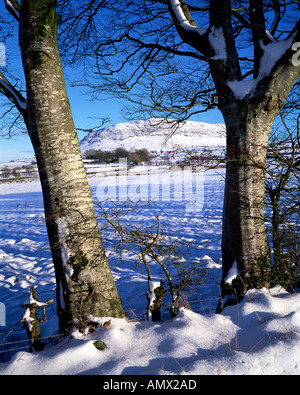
[258, 336]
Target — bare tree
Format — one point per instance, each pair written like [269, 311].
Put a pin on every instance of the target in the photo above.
[191, 56]
[179, 271]
[84, 280]
[282, 188]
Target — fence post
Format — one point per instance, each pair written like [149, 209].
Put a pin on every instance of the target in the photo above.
[31, 320]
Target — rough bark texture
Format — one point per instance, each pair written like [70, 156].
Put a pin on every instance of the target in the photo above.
[84, 280]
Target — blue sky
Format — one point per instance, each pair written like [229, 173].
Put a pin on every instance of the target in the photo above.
[19, 146]
[83, 109]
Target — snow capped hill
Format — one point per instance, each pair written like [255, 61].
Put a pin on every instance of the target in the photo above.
[153, 134]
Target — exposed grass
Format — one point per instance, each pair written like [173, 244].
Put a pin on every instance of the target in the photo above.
[17, 179]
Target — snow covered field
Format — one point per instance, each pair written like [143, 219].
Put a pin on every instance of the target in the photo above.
[261, 335]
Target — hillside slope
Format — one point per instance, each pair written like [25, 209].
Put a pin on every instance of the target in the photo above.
[154, 135]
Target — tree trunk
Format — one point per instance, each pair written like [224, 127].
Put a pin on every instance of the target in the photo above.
[276, 239]
[84, 280]
[245, 249]
[249, 108]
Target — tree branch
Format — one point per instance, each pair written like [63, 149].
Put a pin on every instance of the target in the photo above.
[277, 17]
[245, 23]
[14, 8]
[258, 27]
[289, 70]
[166, 49]
[221, 38]
[186, 26]
[13, 94]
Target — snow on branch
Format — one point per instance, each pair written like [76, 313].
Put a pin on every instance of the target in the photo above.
[272, 53]
[14, 8]
[13, 94]
[184, 22]
[218, 43]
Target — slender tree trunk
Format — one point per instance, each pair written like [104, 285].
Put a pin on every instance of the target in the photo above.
[276, 239]
[84, 280]
[245, 249]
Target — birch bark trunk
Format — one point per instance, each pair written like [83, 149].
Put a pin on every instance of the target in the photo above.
[85, 283]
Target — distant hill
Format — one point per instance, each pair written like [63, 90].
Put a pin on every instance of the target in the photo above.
[153, 134]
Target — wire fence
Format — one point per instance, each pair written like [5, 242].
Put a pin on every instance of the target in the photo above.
[25, 346]
[13, 340]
